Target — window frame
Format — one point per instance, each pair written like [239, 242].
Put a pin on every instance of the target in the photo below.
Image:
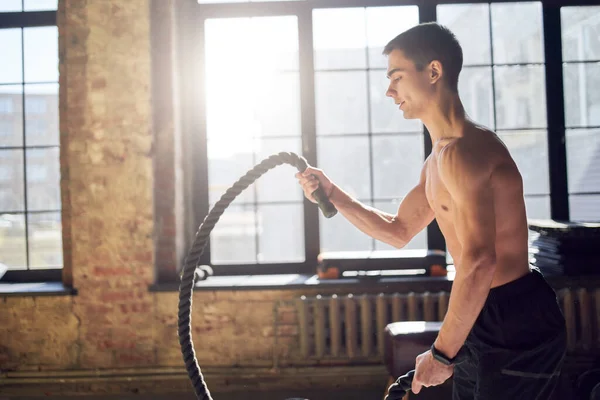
[190, 17]
[29, 19]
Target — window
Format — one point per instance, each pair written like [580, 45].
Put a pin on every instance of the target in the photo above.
[265, 223]
[581, 70]
[30, 209]
[503, 85]
[313, 82]
[352, 120]
[363, 143]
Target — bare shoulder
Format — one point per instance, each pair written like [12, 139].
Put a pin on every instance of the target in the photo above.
[470, 159]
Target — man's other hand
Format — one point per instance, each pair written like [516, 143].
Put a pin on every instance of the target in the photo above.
[429, 372]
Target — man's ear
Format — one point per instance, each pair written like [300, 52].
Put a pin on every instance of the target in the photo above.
[435, 71]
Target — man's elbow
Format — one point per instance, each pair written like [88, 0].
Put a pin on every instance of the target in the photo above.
[398, 234]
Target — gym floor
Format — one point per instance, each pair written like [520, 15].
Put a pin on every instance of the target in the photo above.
[366, 394]
[375, 393]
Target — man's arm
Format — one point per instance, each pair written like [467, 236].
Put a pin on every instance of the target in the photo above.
[467, 176]
[414, 214]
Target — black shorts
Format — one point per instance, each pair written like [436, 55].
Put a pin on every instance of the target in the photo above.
[516, 347]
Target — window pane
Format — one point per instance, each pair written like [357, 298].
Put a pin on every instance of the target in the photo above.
[580, 33]
[264, 43]
[337, 234]
[582, 94]
[584, 208]
[386, 117]
[40, 5]
[475, 88]
[537, 207]
[41, 112]
[345, 45]
[397, 164]
[279, 184]
[233, 240]
[45, 240]
[517, 33]
[470, 23]
[11, 181]
[41, 54]
[11, 115]
[529, 149]
[43, 179]
[12, 241]
[267, 100]
[341, 102]
[10, 6]
[346, 161]
[520, 97]
[583, 160]
[228, 162]
[391, 206]
[384, 24]
[281, 233]
[278, 105]
[11, 67]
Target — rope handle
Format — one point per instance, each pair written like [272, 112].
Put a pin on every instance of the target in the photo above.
[401, 387]
[327, 208]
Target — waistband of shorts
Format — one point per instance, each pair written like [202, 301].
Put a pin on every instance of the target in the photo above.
[533, 280]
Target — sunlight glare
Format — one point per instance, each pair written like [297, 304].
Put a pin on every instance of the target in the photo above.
[244, 57]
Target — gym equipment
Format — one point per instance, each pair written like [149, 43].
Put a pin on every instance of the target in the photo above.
[404, 341]
[564, 248]
[368, 265]
[192, 271]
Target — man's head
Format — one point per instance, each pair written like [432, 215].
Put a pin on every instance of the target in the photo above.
[422, 60]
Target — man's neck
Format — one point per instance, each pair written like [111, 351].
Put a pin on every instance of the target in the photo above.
[447, 117]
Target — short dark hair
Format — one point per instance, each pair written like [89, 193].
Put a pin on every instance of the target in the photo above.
[430, 41]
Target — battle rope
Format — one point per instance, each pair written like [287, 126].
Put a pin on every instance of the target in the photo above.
[398, 389]
[192, 270]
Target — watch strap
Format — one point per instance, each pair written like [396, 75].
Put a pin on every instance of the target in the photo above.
[441, 357]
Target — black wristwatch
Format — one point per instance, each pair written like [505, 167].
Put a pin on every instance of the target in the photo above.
[441, 357]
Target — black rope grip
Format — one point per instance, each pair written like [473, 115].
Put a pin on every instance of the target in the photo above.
[191, 269]
[401, 387]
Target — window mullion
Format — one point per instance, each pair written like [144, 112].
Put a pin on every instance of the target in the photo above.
[557, 154]
[193, 111]
[308, 129]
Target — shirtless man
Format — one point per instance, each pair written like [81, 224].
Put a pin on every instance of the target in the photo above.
[502, 317]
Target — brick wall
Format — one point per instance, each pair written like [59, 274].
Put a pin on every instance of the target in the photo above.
[111, 230]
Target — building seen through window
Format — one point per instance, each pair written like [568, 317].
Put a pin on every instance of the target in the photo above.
[30, 216]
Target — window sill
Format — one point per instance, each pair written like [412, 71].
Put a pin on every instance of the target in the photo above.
[414, 283]
[36, 289]
[299, 282]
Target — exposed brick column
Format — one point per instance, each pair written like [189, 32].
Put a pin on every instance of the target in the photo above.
[106, 159]
[167, 154]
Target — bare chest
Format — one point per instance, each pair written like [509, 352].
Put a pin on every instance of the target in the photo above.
[437, 195]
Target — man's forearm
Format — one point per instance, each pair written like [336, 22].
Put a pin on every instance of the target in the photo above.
[375, 223]
[469, 293]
